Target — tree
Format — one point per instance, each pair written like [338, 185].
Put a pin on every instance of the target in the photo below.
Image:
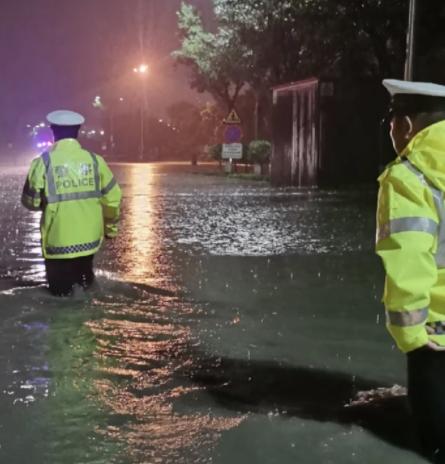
[277, 41]
[219, 61]
[193, 127]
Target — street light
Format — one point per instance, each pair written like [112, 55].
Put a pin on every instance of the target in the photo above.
[143, 71]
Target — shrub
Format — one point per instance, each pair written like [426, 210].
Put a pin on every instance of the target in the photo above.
[215, 151]
[259, 151]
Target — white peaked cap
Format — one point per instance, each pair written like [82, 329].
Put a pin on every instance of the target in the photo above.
[428, 89]
[65, 118]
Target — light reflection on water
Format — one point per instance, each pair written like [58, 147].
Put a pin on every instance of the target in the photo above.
[32, 239]
[142, 381]
[139, 217]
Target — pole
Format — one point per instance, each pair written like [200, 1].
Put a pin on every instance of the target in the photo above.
[111, 135]
[142, 147]
[410, 41]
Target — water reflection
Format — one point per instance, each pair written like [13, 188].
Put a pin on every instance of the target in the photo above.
[145, 342]
[143, 352]
[36, 271]
[139, 238]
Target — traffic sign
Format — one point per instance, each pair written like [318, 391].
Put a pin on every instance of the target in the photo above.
[232, 151]
[233, 134]
[232, 118]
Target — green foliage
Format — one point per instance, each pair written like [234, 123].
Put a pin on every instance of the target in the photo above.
[219, 61]
[193, 127]
[215, 151]
[259, 151]
[257, 44]
[265, 42]
[292, 39]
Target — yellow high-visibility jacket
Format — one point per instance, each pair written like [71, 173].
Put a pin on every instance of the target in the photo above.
[79, 197]
[411, 240]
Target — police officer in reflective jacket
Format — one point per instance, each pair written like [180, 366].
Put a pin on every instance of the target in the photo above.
[80, 202]
[411, 243]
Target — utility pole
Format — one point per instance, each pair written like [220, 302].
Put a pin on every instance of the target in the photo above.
[411, 41]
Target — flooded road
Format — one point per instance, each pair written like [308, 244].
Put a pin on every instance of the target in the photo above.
[231, 322]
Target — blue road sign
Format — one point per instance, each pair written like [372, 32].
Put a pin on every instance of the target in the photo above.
[233, 134]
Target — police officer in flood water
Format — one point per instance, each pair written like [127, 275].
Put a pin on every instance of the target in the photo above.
[80, 200]
[411, 243]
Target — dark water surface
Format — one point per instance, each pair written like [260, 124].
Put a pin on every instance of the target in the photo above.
[232, 322]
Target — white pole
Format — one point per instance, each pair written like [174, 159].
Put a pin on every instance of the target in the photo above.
[410, 41]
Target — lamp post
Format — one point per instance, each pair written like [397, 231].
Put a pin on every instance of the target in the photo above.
[142, 70]
[410, 41]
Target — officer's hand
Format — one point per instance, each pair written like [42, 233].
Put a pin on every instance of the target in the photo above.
[434, 346]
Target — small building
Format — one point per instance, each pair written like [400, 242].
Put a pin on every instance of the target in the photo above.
[326, 132]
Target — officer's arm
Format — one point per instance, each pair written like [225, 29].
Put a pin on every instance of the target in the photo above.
[407, 225]
[111, 199]
[33, 190]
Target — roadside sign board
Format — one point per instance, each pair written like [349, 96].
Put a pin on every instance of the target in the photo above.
[232, 151]
[233, 134]
[232, 118]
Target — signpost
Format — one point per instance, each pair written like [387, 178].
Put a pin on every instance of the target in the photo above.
[232, 151]
[232, 147]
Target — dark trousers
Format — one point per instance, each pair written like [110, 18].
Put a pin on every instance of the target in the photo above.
[63, 274]
[426, 393]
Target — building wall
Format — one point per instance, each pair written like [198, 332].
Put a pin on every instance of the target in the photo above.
[327, 133]
[295, 156]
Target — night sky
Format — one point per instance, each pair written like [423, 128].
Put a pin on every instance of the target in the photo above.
[62, 53]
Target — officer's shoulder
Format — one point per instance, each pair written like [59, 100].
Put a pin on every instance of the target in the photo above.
[37, 160]
[99, 158]
[390, 170]
[398, 173]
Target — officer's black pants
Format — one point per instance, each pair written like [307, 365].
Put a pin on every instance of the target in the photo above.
[63, 274]
[426, 393]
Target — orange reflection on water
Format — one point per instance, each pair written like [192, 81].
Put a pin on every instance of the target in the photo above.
[141, 241]
[144, 380]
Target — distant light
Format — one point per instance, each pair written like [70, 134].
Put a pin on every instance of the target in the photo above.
[102, 132]
[161, 121]
[121, 99]
[44, 144]
[42, 124]
[141, 69]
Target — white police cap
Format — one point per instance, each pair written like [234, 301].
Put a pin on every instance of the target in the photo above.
[409, 98]
[428, 89]
[65, 118]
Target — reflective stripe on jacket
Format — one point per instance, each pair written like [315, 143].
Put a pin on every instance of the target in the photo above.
[411, 240]
[79, 197]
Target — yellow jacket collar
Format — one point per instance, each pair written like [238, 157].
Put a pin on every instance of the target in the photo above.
[427, 152]
[66, 144]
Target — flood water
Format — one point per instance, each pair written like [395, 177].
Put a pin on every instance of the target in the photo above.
[232, 322]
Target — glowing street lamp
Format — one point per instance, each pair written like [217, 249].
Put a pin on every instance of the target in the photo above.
[143, 70]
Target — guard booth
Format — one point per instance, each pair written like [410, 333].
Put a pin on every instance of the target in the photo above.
[326, 132]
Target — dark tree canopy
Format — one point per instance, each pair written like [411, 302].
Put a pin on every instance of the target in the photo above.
[265, 42]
